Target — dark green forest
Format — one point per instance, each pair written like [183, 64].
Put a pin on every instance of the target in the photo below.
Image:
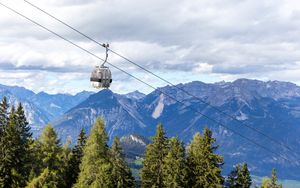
[91, 162]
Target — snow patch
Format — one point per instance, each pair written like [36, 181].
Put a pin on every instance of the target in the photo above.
[242, 116]
[93, 112]
[159, 108]
[137, 140]
[52, 105]
[236, 154]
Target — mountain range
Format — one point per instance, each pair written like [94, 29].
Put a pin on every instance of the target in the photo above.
[271, 108]
[41, 108]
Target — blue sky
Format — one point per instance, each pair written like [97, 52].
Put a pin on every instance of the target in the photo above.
[179, 40]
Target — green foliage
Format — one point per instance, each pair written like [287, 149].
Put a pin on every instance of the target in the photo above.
[10, 175]
[23, 126]
[240, 177]
[174, 165]
[121, 173]
[26, 139]
[204, 165]
[36, 159]
[96, 167]
[152, 171]
[14, 143]
[65, 167]
[49, 167]
[271, 183]
[274, 180]
[50, 148]
[4, 163]
[75, 158]
[47, 179]
[3, 115]
[44, 163]
[266, 182]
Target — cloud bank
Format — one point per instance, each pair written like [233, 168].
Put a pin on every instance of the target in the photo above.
[180, 40]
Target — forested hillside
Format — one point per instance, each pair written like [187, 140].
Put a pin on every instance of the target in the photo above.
[45, 162]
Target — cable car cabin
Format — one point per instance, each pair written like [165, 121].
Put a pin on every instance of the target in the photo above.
[101, 77]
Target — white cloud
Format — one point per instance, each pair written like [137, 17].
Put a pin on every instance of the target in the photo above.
[222, 39]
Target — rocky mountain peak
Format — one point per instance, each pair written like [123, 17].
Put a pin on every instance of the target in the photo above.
[135, 95]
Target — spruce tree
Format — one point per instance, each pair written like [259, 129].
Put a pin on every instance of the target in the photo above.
[96, 168]
[121, 173]
[9, 170]
[76, 156]
[3, 125]
[204, 165]
[232, 179]
[36, 159]
[152, 171]
[23, 125]
[245, 177]
[240, 177]
[3, 115]
[15, 141]
[25, 135]
[174, 168]
[65, 167]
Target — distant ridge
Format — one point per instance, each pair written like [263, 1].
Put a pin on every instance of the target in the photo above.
[41, 108]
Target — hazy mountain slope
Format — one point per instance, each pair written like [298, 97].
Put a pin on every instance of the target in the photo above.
[58, 104]
[271, 107]
[35, 115]
[118, 112]
[41, 108]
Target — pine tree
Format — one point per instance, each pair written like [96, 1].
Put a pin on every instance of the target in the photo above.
[76, 156]
[174, 168]
[96, 168]
[266, 182]
[36, 159]
[152, 171]
[15, 141]
[245, 177]
[25, 135]
[204, 165]
[240, 177]
[23, 125]
[274, 179]
[3, 125]
[121, 173]
[50, 148]
[3, 116]
[47, 179]
[10, 176]
[65, 167]
[50, 160]
[232, 179]
[271, 183]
